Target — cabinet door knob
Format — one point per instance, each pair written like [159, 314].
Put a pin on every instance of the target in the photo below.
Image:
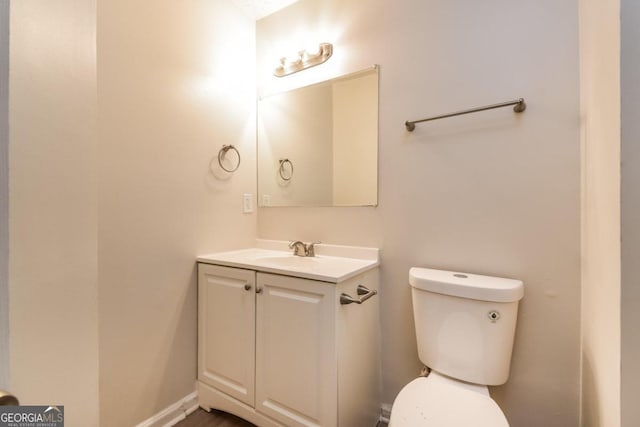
[258, 290]
[247, 287]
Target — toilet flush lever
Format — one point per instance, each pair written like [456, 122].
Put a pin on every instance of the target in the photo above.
[363, 292]
[493, 315]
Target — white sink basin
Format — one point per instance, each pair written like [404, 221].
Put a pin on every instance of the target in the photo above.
[325, 267]
[292, 261]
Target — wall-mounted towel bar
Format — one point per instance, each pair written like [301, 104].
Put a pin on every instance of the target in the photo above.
[519, 103]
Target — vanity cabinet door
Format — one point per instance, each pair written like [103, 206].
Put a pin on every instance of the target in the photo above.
[296, 369]
[226, 329]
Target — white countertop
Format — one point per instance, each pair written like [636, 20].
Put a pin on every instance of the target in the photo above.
[332, 263]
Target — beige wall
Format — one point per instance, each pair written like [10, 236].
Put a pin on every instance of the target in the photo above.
[175, 83]
[53, 207]
[121, 175]
[630, 89]
[4, 194]
[600, 134]
[493, 193]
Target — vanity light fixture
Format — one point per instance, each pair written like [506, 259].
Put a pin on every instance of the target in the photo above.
[304, 60]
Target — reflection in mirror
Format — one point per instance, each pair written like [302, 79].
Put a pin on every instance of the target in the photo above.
[318, 145]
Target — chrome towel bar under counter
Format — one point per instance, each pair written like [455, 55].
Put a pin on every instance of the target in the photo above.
[519, 107]
[363, 294]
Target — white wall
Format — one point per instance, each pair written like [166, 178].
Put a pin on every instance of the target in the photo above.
[600, 134]
[493, 193]
[53, 207]
[630, 90]
[175, 83]
[4, 194]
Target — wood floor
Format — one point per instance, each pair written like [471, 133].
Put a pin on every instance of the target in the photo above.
[201, 418]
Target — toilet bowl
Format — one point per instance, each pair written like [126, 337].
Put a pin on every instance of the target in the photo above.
[439, 401]
[465, 325]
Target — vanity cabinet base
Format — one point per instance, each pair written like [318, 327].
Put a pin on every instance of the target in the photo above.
[210, 398]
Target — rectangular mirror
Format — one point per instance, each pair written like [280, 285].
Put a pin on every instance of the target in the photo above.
[318, 145]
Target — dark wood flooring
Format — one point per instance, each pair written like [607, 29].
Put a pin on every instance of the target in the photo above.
[202, 418]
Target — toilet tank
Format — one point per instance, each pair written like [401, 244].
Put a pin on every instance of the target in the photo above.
[465, 323]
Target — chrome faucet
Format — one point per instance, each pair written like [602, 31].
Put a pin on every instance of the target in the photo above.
[302, 249]
[299, 248]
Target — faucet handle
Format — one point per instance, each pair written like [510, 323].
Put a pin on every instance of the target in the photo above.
[310, 248]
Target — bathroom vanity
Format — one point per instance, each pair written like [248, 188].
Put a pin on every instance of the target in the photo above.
[290, 341]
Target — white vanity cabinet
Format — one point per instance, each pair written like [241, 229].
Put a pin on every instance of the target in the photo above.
[280, 351]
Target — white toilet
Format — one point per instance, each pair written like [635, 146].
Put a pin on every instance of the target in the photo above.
[465, 325]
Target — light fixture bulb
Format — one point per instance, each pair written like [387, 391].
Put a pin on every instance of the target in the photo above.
[303, 60]
[312, 50]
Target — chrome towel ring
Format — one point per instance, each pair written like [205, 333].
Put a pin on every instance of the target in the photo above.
[282, 169]
[223, 152]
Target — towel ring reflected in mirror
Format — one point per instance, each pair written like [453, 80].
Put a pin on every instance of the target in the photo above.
[222, 154]
[282, 170]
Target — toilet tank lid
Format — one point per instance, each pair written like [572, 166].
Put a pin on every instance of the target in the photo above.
[465, 285]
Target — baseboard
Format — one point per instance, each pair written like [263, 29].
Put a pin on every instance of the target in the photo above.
[385, 413]
[174, 413]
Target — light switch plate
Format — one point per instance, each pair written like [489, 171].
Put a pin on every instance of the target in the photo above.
[247, 203]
